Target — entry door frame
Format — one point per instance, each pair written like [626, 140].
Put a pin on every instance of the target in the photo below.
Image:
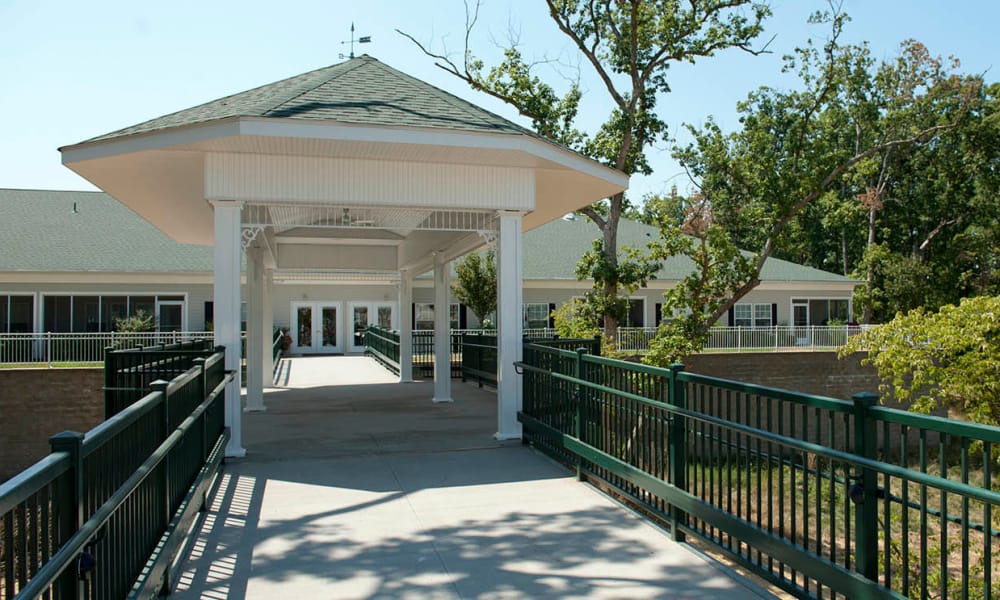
[373, 306]
[316, 307]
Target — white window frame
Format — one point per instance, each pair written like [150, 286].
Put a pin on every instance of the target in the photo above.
[453, 311]
[524, 314]
[185, 311]
[35, 325]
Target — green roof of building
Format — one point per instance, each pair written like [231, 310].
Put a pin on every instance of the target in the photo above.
[361, 91]
[552, 251]
[65, 231]
[60, 231]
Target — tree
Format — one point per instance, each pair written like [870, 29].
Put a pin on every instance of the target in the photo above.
[949, 358]
[630, 45]
[794, 149]
[475, 283]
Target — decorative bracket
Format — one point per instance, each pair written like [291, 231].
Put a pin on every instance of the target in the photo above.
[489, 236]
[248, 235]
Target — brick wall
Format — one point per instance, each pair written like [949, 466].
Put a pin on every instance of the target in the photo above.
[36, 404]
[820, 373]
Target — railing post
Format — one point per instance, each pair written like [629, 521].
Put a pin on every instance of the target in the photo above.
[864, 491]
[578, 402]
[48, 348]
[69, 506]
[203, 378]
[677, 447]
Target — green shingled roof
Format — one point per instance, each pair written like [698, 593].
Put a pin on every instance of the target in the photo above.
[360, 91]
[39, 231]
[552, 251]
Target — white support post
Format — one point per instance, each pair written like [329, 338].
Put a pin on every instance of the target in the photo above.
[442, 332]
[405, 327]
[226, 318]
[255, 331]
[267, 310]
[509, 325]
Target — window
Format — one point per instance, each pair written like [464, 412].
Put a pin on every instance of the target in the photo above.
[17, 314]
[93, 313]
[636, 316]
[747, 314]
[536, 315]
[423, 316]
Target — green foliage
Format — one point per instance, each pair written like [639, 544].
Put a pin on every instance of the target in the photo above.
[577, 319]
[947, 358]
[475, 283]
[139, 322]
[630, 271]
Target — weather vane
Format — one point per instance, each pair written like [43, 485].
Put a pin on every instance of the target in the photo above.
[365, 39]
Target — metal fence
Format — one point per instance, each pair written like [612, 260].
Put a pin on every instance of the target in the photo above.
[823, 497]
[55, 349]
[128, 373]
[105, 514]
[775, 338]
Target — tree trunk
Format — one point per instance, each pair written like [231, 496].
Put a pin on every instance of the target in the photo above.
[870, 280]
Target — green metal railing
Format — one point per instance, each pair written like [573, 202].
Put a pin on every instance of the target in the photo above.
[383, 346]
[105, 514]
[822, 497]
[128, 373]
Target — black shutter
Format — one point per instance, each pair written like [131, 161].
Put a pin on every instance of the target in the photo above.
[552, 319]
[209, 312]
[732, 315]
[413, 316]
[774, 314]
[463, 317]
[659, 314]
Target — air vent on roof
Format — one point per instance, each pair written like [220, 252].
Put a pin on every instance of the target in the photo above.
[569, 217]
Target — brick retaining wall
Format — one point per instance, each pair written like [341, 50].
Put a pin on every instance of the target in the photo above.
[820, 373]
[36, 404]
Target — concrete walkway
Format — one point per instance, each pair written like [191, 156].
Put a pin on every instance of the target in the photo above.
[395, 503]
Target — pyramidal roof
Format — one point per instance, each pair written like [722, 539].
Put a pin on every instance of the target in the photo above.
[360, 91]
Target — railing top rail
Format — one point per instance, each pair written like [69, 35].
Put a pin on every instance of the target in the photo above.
[217, 356]
[183, 379]
[17, 489]
[99, 435]
[978, 431]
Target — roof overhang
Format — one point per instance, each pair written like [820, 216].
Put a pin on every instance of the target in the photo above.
[161, 175]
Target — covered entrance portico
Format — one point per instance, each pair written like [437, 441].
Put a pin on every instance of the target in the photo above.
[355, 174]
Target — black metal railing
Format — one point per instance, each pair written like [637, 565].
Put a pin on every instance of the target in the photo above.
[383, 346]
[128, 373]
[823, 497]
[105, 514]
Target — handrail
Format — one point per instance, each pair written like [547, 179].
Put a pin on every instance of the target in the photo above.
[18, 488]
[67, 554]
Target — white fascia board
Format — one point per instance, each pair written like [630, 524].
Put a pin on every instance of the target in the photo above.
[151, 140]
[297, 128]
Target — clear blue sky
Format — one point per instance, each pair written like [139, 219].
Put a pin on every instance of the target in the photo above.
[72, 70]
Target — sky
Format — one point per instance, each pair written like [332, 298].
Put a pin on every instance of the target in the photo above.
[72, 70]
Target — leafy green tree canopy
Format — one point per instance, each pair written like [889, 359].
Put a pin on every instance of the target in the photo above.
[949, 358]
[475, 283]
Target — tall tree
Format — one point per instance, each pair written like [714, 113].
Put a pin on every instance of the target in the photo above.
[475, 283]
[850, 116]
[630, 45]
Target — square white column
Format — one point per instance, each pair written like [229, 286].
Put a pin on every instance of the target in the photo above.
[442, 332]
[226, 312]
[405, 327]
[255, 330]
[509, 325]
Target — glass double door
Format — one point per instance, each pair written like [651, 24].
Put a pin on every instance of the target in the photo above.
[363, 314]
[316, 328]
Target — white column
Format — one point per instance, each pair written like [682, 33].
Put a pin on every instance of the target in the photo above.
[442, 333]
[405, 317]
[267, 315]
[509, 325]
[255, 330]
[226, 317]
